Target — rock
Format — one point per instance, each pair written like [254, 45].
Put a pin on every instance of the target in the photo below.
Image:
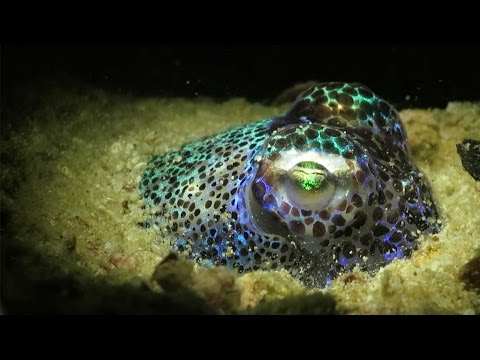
[174, 274]
[470, 274]
[469, 151]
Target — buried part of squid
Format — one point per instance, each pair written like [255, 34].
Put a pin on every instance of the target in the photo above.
[319, 190]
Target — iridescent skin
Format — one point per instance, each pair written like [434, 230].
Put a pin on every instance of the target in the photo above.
[319, 190]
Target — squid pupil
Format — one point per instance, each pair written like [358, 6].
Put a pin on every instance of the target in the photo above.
[309, 175]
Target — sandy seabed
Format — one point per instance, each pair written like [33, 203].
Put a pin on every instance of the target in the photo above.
[71, 212]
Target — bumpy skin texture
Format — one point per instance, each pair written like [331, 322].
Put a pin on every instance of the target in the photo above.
[318, 190]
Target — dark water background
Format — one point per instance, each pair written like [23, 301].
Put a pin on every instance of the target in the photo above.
[421, 74]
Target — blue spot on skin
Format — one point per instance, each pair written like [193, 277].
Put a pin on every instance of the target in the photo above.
[393, 255]
[241, 240]
[304, 119]
[207, 263]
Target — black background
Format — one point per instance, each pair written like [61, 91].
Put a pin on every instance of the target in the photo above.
[407, 73]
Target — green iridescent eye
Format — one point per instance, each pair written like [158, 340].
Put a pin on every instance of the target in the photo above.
[310, 184]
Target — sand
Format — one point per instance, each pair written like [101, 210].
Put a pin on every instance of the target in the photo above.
[71, 214]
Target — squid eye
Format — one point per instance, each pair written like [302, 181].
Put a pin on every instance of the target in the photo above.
[309, 185]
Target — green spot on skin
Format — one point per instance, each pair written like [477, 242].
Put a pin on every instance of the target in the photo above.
[341, 149]
[360, 98]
